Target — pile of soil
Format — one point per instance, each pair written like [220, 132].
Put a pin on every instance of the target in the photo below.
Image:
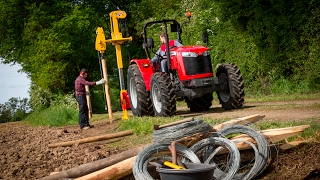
[25, 154]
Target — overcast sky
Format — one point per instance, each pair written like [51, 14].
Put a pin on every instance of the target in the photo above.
[13, 83]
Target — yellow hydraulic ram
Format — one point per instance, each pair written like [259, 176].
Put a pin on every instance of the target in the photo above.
[117, 40]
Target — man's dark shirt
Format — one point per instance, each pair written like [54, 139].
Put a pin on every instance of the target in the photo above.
[79, 86]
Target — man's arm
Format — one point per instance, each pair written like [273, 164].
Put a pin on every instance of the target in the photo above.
[156, 57]
[83, 81]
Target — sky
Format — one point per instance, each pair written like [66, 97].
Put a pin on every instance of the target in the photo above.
[13, 83]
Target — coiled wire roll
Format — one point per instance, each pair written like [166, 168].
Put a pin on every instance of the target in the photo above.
[250, 173]
[209, 154]
[173, 133]
[233, 159]
[158, 151]
[261, 160]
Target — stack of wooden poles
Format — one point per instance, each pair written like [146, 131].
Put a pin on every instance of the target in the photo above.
[120, 165]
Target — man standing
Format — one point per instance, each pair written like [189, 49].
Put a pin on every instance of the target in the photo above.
[79, 87]
[162, 51]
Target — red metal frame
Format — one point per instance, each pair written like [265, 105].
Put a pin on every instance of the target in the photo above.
[146, 70]
[178, 64]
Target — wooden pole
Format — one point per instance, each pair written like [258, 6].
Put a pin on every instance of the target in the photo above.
[115, 171]
[93, 139]
[95, 166]
[88, 101]
[106, 85]
[243, 120]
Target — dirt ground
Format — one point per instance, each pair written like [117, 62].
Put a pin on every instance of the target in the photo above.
[25, 154]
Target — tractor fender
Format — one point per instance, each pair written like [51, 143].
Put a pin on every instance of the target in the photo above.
[146, 70]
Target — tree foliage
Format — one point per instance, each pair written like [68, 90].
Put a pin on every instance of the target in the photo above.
[271, 41]
[14, 110]
[284, 35]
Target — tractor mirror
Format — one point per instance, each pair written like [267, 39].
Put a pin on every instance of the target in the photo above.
[150, 43]
[205, 37]
[175, 27]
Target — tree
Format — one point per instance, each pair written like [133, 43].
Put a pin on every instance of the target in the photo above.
[14, 110]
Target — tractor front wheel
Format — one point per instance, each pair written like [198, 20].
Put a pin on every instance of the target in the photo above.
[230, 79]
[140, 100]
[162, 94]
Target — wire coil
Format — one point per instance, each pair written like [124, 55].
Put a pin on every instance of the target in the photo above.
[158, 151]
[174, 133]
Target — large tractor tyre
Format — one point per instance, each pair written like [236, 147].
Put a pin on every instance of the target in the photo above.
[140, 100]
[232, 97]
[162, 95]
[200, 104]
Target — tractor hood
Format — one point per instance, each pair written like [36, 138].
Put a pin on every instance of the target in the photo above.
[197, 49]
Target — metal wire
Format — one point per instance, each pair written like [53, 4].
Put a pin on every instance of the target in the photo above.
[233, 163]
[212, 153]
[262, 159]
[209, 148]
[158, 151]
[173, 133]
[249, 174]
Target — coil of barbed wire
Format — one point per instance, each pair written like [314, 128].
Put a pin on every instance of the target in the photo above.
[250, 173]
[261, 160]
[233, 160]
[173, 133]
[209, 153]
[158, 151]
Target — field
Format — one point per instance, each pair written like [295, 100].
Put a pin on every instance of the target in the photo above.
[25, 153]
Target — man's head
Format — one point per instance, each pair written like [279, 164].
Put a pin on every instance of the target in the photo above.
[84, 73]
[163, 38]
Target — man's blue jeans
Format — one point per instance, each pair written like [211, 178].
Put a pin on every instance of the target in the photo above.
[164, 65]
[83, 111]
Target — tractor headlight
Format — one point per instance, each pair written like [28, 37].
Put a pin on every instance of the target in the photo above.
[206, 53]
[189, 54]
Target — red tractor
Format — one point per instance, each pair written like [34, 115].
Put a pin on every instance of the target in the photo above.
[189, 75]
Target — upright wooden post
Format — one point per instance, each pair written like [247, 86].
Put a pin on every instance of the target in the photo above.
[88, 101]
[106, 85]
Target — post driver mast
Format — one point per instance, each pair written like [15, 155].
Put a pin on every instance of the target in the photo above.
[116, 40]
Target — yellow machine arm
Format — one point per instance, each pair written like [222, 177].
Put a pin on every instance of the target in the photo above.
[116, 40]
[100, 40]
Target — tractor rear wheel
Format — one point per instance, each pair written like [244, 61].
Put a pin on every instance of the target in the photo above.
[162, 94]
[232, 95]
[140, 100]
[200, 104]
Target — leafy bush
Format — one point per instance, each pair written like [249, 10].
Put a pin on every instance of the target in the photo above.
[19, 115]
[59, 115]
[62, 111]
[40, 98]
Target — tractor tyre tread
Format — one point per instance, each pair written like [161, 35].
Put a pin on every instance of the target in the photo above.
[144, 104]
[236, 86]
[167, 94]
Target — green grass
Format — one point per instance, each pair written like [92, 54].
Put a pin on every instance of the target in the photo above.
[310, 133]
[143, 129]
[56, 116]
[143, 125]
[281, 97]
[61, 115]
